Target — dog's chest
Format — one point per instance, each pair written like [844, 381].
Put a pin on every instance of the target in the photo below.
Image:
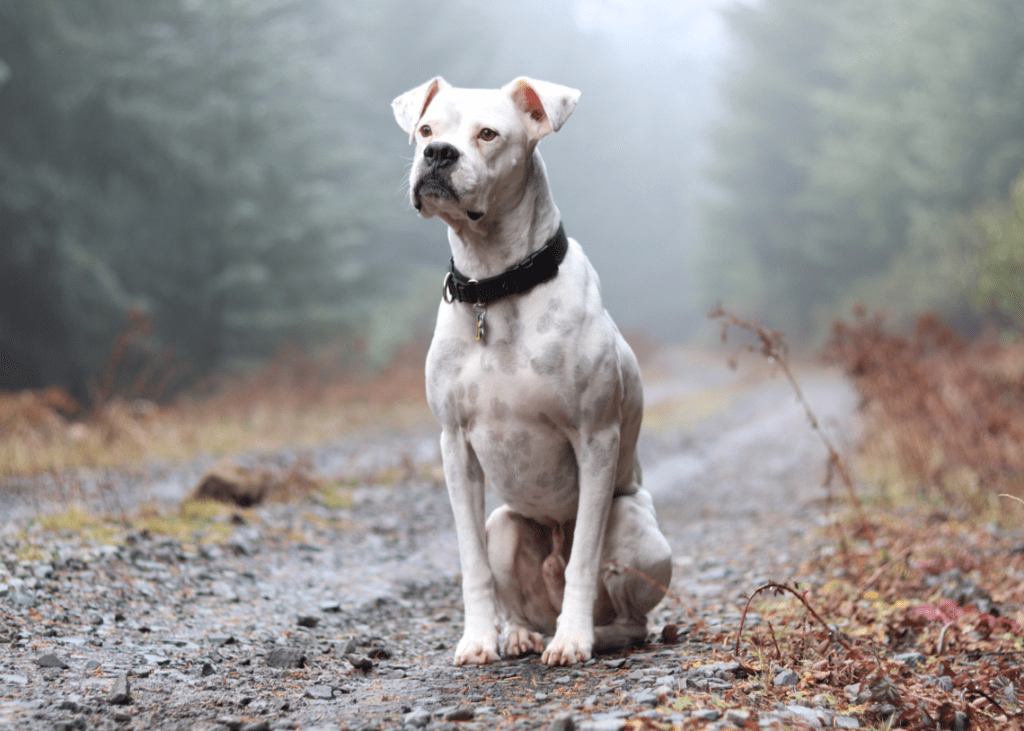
[515, 397]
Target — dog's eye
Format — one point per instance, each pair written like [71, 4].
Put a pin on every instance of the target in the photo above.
[425, 130]
[487, 134]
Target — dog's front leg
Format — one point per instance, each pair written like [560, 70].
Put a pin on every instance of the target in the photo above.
[465, 478]
[597, 453]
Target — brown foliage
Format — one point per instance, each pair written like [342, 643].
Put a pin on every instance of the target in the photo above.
[950, 413]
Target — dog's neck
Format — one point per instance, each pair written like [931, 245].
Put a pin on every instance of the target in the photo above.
[486, 248]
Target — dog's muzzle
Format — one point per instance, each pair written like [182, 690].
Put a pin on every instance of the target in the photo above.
[436, 181]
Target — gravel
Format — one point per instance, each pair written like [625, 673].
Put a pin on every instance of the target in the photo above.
[310, 616]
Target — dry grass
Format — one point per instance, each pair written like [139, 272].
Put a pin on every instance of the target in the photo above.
[295, 401]
[944, 418]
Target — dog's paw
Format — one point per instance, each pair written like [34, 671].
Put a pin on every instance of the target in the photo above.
[477, 649]
[522, 641]
[569, 648]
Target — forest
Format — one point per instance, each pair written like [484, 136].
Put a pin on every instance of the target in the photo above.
[229, 173]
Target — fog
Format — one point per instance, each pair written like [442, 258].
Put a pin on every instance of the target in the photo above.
[231, 172]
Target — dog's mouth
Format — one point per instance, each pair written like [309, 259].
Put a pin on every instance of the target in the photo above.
[434, 185]
[437, 186]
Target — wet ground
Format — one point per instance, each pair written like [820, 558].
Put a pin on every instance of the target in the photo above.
[344, 614]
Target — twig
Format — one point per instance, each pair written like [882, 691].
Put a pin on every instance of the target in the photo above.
[782, 587]
[874, 577]
[942, 636]
[778, 652]
[773, 347]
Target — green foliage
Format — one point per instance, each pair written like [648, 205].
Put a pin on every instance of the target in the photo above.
[857, 136]
[185, 159]
[1001, 259]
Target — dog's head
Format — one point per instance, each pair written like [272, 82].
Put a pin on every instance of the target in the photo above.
[474, 146]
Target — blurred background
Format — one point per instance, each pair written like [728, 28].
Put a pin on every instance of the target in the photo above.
[221, 180]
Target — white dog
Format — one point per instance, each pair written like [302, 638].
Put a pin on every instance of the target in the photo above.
[534, 388]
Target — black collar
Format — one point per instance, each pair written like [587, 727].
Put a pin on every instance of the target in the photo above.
[540, 266]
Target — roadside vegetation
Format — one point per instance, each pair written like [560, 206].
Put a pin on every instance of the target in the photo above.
[913, 616]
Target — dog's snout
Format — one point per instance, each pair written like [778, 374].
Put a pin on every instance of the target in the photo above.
[440, 154]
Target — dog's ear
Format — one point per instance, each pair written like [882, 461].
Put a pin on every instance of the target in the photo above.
[545, 106]
[411, 105]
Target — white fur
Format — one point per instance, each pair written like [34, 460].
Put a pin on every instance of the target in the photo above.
[548, 407]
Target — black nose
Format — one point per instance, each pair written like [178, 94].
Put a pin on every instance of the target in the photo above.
[440, 154]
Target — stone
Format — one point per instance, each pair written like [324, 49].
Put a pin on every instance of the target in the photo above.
[737, 716]
[360, 662]
[320, 692]
[309, 621]
[462, 713]
[805, 714]
[706, 714]
[417, 718]
[50, 660]
[786, 679]
[845, 722]
[910, 658]
[285, 657]
[255, 726]
[120, 693]
[563, 722]
[645, 698]
[207, 670]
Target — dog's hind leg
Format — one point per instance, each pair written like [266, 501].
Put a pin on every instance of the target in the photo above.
[519, 552]
[636, 569]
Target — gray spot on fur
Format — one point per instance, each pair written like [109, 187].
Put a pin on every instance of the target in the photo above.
[581, 374]
[544, 323]
[499, 409]
[551, 361]
[473, 393]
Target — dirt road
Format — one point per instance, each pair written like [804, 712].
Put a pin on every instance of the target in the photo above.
[344, 613]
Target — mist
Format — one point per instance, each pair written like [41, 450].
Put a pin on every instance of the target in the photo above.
[230, 174]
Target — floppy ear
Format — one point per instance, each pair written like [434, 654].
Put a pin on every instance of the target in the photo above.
[545, 106]
[411, 105]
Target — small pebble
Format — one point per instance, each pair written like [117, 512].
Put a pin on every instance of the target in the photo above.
[51, 661]
[120, 693]
[563, 722]
[284, 657]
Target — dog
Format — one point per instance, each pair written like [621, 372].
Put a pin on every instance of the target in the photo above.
[534, 387]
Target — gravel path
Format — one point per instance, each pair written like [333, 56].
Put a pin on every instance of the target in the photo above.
[345, 615]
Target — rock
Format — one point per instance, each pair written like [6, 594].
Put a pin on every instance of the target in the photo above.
[255, 726]
[615, 664]
[845, 722]
[284, 657]
[417, 718]
[910, 658]
[51, 661]
[805, 714]
[706, 714]
[309, 621]
[330, 606]
[221, 640]
[360, 662]
[786, 679]
[462, 713]
[737, 716]
[645, 698]
[207, 670]
[320, 692]
[93, 665]
[229, 482]
[120, 693]
[563, 722]
[670, 634]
